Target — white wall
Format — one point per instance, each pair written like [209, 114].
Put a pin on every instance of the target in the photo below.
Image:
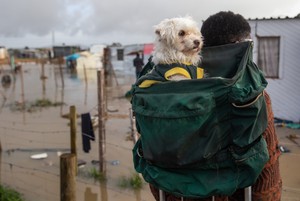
[285, 91]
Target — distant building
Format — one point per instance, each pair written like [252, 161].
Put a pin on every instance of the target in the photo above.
[277, 52]
[117, 52]
[116, 56]
[27, 53]
[62, 51]
[97, 49]
[122, 56]
[3, 53]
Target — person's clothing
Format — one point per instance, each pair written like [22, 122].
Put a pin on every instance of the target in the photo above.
[87, 132]
[215, 63]
[268, 186]
[138, 64]
[203, 132]
[162, 72]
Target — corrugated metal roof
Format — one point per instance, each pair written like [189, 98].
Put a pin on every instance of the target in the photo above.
[275, 18]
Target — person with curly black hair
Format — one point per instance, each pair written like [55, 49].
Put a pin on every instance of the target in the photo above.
[223, 28]
[227, 27]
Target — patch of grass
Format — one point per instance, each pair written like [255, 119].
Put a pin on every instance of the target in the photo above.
[97, 175]
[35, 105]
[45, 103]
[7, 194]
[92, 173]
[134, 181]
[123, 182]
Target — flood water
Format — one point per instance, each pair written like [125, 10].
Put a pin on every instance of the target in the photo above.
[35, 130]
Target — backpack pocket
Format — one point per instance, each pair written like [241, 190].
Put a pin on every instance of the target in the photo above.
[178, 130]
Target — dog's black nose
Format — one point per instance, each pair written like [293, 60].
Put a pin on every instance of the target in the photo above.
[197, 42]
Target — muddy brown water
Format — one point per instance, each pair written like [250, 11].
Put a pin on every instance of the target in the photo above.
[43, 130]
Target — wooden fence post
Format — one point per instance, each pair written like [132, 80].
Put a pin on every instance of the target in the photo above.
[86, 84]
[73, 120]
[22, 92]
[43, 77]
[67, 177]
[0, 161]
[60, 62]
[101, 113]
[108, 67]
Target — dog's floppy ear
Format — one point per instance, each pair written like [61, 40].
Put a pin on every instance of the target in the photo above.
[157, 32]
[166, 30]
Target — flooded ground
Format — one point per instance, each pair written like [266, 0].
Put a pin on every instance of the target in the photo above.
[43, 130]
[290, 163]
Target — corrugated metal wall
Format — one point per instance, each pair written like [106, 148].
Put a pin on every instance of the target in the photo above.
[285, 91]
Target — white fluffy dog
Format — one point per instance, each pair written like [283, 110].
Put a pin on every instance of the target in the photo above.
[178, 40]
[176, 52]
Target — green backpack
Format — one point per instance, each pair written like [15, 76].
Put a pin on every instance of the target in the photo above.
[203, 137]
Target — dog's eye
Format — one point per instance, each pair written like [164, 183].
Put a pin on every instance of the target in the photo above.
[181, 33]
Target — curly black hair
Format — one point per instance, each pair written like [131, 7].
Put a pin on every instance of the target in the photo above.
[224, 27]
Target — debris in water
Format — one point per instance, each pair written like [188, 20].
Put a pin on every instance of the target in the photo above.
[115, 162]
[81, 163]
[284, 149]
[39, 156]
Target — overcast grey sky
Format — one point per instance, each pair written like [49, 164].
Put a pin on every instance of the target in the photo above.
[38, 23]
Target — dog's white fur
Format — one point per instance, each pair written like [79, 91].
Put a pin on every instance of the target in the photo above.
[178, 40]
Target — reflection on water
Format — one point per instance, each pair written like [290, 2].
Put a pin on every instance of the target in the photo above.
[0, 160]
[138, 195]
[103, 190]
[89, 195]
[27, 130]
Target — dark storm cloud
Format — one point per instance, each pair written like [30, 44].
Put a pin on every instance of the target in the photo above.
[125, 21]
[39, 17]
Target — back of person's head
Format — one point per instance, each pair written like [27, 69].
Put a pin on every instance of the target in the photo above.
[225, 27]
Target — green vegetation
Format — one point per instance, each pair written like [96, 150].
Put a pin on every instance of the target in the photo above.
[33, 106]
[134, 181]
[97, 175]
[7, 194]
[92, 173]
[42, 103]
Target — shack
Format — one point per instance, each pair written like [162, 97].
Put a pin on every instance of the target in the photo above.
[62, 51]
[277, 52]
